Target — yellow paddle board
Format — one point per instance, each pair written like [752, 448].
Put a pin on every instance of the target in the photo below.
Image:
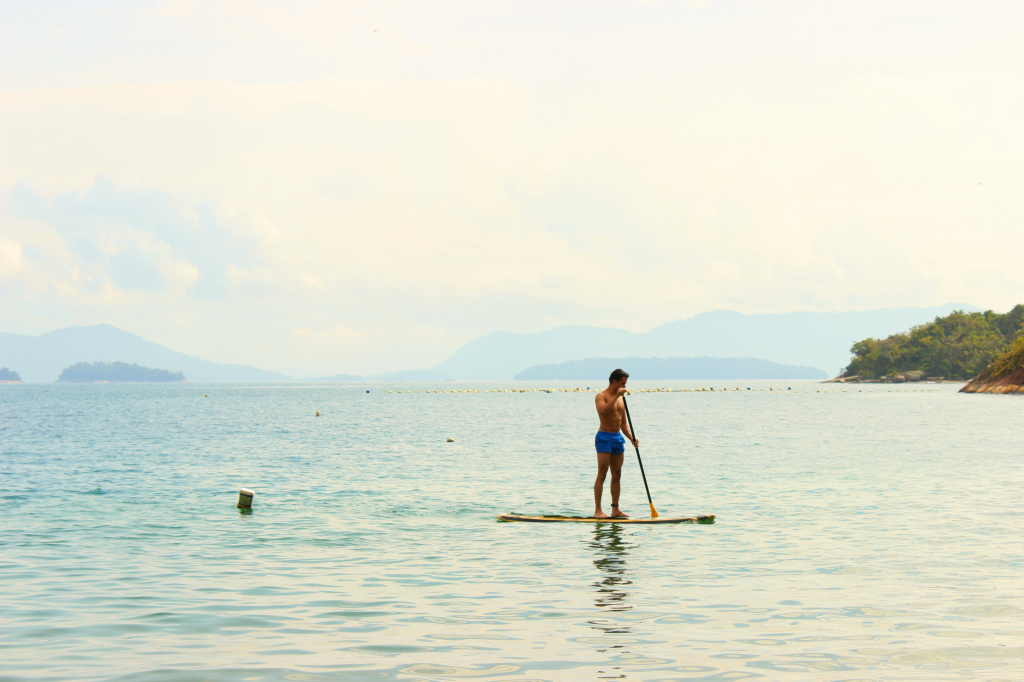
[704, 518]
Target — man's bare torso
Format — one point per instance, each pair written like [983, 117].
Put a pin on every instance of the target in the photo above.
[612, 419]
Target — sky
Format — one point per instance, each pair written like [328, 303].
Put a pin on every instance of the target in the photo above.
[358, 187]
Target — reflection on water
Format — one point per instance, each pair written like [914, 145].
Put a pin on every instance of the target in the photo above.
[611, 549]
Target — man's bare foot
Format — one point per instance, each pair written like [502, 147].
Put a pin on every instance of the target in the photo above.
[600, 515]
[618, 514]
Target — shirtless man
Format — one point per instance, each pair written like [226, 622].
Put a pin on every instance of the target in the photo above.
[609, 442]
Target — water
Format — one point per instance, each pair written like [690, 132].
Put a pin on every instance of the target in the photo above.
[860, 536]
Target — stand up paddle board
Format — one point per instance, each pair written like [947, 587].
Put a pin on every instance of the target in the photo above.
[704, 518]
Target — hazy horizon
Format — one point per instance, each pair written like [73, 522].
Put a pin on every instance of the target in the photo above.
[808, 340]
[359, 187]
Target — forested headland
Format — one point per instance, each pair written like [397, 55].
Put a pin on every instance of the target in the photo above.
[958, 346]
[9, 375]
[83, 372]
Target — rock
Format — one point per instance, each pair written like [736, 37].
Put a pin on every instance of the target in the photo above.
[916, 375]
[1004, 375]
[899, 379]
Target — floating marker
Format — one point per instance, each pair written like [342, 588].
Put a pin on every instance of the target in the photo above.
[318, 413]
[450, 440]
[206, 395]
[245, 498]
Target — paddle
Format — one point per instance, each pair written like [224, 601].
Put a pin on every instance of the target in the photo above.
[654, 512]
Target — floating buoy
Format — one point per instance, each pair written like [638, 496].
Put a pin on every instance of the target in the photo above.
[367, 390]
[318, 413]
[245, 498]
[450, 440]
[206, 395]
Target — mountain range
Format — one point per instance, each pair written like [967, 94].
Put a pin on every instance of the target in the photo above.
[42, 358]
[804, 339]
[671, 369]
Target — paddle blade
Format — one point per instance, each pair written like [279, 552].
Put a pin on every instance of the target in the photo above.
[654, 512]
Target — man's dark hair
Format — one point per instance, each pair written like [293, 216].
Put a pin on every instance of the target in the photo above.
[616, 375]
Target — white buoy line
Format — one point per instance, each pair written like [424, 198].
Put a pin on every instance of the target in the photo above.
[771, 390]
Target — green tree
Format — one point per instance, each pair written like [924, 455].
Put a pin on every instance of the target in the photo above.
[958, 346]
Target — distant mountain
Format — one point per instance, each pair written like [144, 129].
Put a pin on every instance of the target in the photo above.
[338, 377]
[819, 340]
[598, 369]
[116, 372]
[9, 375]
[41, 358]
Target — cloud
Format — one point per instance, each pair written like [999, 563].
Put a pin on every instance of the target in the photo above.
[338, 332]
[134, 235]
[134, 268]
[10, 257]
[245, 169]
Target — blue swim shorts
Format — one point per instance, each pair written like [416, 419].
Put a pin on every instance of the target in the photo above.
[610, 442]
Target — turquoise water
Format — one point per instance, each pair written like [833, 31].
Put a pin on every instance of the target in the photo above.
[860, 535]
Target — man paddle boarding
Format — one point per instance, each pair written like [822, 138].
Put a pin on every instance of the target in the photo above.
[611, 410]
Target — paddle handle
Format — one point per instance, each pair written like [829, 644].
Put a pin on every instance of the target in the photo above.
[654, 512]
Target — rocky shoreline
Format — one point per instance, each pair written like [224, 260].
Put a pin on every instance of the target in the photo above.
[907, 377]
[1005, 375]
[1011, 384]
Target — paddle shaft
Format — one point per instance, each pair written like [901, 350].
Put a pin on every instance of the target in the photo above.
[654, 513]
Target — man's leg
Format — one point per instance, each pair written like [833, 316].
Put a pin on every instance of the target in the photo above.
[616, 467]
[603, 461]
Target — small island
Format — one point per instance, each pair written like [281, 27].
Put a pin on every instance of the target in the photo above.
[674, 369]
[956, 347]
[1004, 375]
[9, 376]
[116, 372]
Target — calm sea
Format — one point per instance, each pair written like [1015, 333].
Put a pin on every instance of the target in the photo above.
[860, 535]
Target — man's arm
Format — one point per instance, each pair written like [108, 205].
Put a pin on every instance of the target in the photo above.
[625, 426]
